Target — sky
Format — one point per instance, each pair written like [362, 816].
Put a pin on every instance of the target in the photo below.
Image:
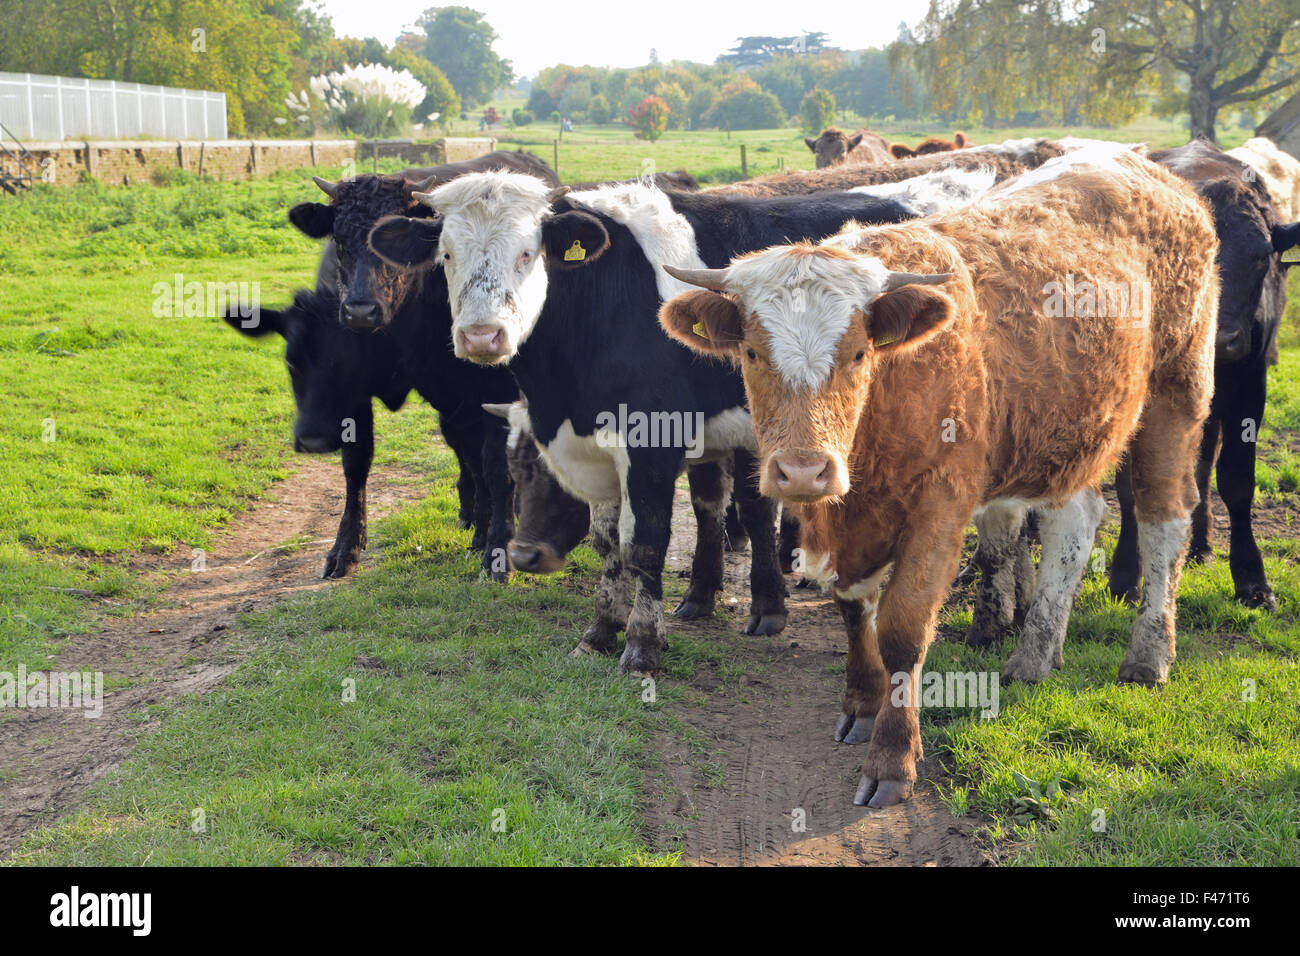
[539, 33]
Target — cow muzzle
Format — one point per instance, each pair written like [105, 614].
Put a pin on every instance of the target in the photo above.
[534, 558]
[487, 344]
[807, 476]
[1231, 345]
[363, 315]
[316, 444]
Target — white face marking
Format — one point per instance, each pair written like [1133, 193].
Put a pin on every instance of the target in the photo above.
[804, 303]
[490, 249]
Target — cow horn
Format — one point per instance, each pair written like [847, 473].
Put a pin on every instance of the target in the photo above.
[897, 280]
[500, 411]
[424, 185]
[715, 279]
[330, 189]
[426, 198]
[559, 192]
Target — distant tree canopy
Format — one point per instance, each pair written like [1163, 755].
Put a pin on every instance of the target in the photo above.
[755, 51]
[459, 42]
[1102, 61]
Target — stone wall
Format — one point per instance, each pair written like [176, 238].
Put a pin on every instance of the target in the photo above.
[118, 162]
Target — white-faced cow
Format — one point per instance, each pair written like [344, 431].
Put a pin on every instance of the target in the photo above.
[904, 378]
[566, 289]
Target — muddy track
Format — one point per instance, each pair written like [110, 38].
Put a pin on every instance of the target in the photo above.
[757, 778]
[49, 757]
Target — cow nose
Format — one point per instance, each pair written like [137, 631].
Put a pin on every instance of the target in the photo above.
[361, 314]
[1230, 343]
[524, 557]
[486, 341]
[803, 476]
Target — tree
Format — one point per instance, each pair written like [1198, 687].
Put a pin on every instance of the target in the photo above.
[459, 42]
[673, 95]
[742, 105]
[1101, 60]
[649, 118]
[816, 112]
[598, 110]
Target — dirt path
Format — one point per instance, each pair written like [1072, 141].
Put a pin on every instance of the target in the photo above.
[48, 757]
[728, 788]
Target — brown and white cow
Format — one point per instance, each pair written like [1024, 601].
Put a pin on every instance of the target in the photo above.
[834, 147]
[904, 378]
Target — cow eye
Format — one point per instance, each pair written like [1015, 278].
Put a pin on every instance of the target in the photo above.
[751, 355]
[860, 356]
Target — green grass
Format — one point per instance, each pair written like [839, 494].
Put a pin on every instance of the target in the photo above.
[465, 701]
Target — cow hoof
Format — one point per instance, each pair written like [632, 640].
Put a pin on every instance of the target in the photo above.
[854, 730]
[762, 625]
[689, 609]
[1200, 555]
[636, 662]
[736, 545]
[1142, 672]
[804, 583]
[1022, 667]
[339, 566]
[1259, 597]
[965, 576]
[1129, 594]
[583, 649]
[465, 523]
[883, 793]
[977, 637]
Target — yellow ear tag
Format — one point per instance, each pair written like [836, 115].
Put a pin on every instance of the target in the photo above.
[698, 329]
[575, 252]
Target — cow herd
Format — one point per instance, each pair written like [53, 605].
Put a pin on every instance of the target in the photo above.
[849, 364]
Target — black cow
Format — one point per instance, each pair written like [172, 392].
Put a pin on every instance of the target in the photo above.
[395, 340]
[1251, 301]
[582, 338]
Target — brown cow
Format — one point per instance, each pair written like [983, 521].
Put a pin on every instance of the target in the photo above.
[835, 147]
[932, 145]
[902, 377]
[1005, 159]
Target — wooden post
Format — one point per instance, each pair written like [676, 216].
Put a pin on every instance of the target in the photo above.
[555, 156]
[744, 163]
[374, 156]
[313, 154]
[202, 147]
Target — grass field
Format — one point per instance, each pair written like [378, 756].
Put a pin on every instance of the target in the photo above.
[467, 712]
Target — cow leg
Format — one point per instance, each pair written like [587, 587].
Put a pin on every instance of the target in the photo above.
[1067, 534]
[1002, 527]
[644, 526]
[1202, 546]
[1026, 573]
[1164, 492]
[788, 541]
[1124, 572]
[737, 539]
[865, 681]
[613, 594]
[767, 613]
[710, 491]
[357, 456]
[924, 566]
[500, 492]
[1243, 414]
[465, 480]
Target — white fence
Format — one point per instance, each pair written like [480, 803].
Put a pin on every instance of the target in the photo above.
[40, 107]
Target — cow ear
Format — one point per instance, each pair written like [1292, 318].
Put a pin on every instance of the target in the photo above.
[900, 151]
[313, 219]
[574, 239]
[256, 322]
[907, 316]
[1286, 237]
[855, 140]
[406, 243]
[810, 144]
[961, 140]
[704, 321]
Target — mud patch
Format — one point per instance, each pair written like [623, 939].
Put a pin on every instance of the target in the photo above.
[49, 757]
[749, 773]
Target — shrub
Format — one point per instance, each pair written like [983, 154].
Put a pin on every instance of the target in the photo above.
[649, 118]
[522, 117]
[817, 111]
